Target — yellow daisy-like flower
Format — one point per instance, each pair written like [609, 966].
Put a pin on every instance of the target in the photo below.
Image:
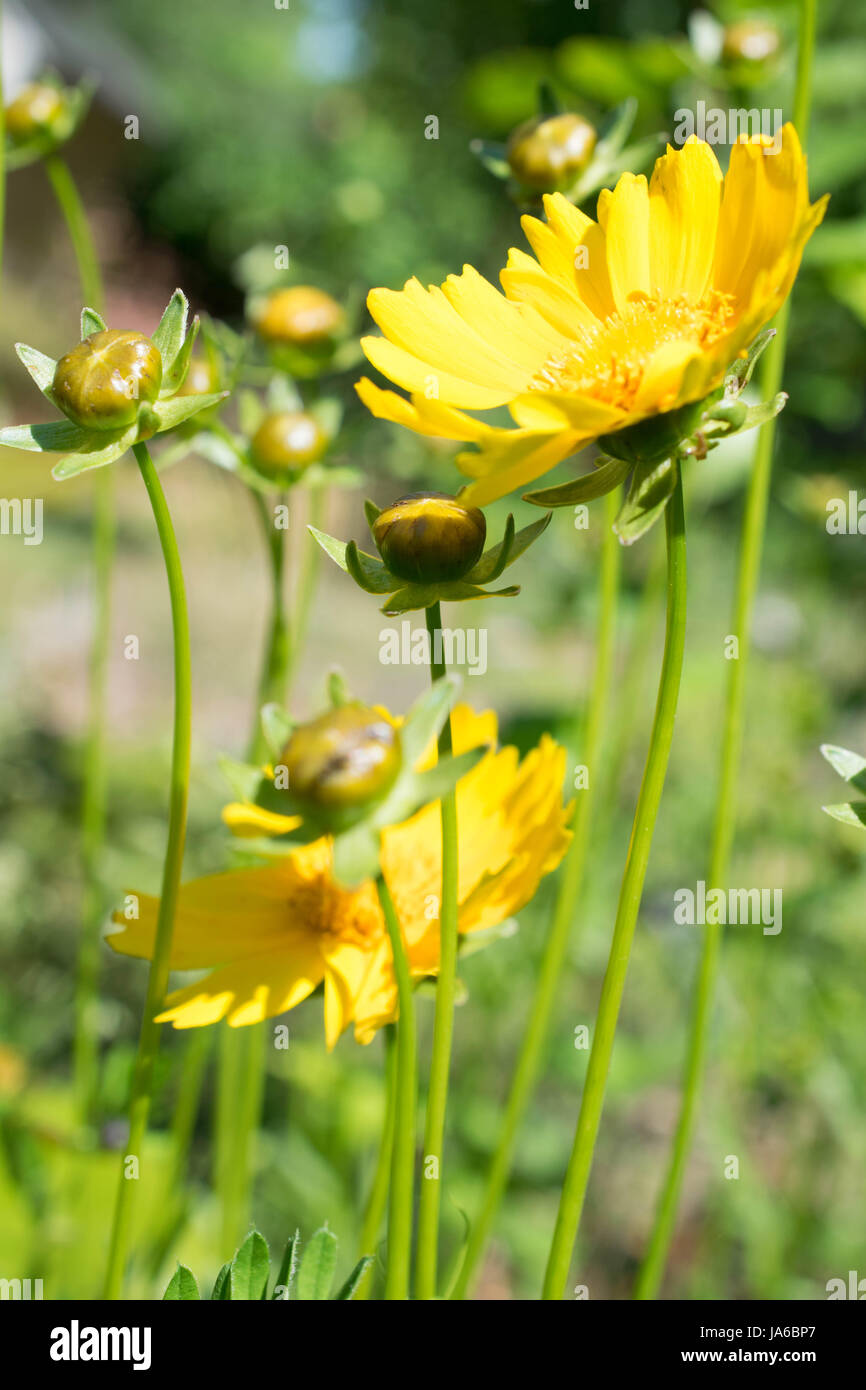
[271, 935]
[616, 321]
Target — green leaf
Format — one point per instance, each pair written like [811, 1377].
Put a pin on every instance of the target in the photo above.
[243, 778]
[250, 1269]
[850, 766]
[338, 692]
[40, 367]
[173, 379]
[425, 719]
[649, 494]
[368, 571]
[492, 156]
[316, 1273]
[739, 373]
[608, 474]
[433, 783]
[173, 412]
[182, 1286]
[288, 1268]
[371, 512]
[54, 437]
[100, 448]
[355, 1279]
[171, 330]
[356, 855]
[222, 1285]
[850, 813]
[416, 596]
[614, 130]
[91, 322]
[277, 725]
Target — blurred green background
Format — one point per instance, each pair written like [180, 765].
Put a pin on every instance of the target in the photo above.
[305, 127]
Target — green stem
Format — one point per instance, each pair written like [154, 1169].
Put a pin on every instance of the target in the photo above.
[405, 1104]
[160, 966]
[426, 1259]
[273, 681]
[377, 1201]
[77, 226]
[592, 1101]
[2, 147]
[556, 946]
[311, 555]
[751, 548]
[93, 800]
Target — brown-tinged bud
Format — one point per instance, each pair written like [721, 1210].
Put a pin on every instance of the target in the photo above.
[102, 383]
[548, 153]
[429, 537]
[345, 759]
[750, 41]
[301, 316]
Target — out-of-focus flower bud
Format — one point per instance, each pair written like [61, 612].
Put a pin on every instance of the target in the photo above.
[750, 41]
[301, 316]
[548, 153]
[287, 441]
[343, 760]
[34, 111]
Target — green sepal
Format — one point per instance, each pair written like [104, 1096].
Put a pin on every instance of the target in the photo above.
[506, 551]
[608, 474]
[353, 1283]
[651, 489]
[493, 156]
[170, 332]
[367, 571]
[849, 813]
[182, 1286]
[740, 371]
[316, 1274]
[371, 512]
[413, 597]
[173, 378]
[250, 1270]
[338, 692]
[288, 1268]
[92, 322]
[851, 767]
[105, 447]
[222, 1285]
[53, 437]
[243, 778]
[426, 718]
[277, 725]
[282, 394]
[170, 413]
[40, 367]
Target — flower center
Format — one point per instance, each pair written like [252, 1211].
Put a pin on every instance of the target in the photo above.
[608, 362]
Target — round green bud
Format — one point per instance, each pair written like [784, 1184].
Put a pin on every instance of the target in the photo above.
[200, 379]
[287, 441]
[548, 153]
[429, 537]
[750, 41]
[301, 316]
[104, 380]
[33, 112]
[343, 760]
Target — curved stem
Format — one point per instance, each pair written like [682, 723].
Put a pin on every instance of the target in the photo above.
[556, 946]
[751, 549]
[426, 1259]
[405, 1103]
[592, 1101]
[377, 1201]
[93, 797]
[160, 966]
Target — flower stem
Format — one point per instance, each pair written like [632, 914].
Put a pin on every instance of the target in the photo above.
[592, 1101]
[273, 681]
[93, 797]
[556, 946]
[148, 1045]
[377, 1201]
[2, 147]
[405, 1102]
[310, 559]
[426, 1259]
[751, 548]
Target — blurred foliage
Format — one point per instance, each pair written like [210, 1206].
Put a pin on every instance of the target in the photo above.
[306, 127]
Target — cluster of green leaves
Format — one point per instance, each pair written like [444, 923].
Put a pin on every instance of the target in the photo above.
[247, 1277]
[852, 768]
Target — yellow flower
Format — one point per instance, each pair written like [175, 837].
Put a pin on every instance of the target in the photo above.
[617, 320]
[271, 935]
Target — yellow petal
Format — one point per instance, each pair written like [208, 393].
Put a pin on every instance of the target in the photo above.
[346, 969]
[249, 990]
[510, 459]
[684, 199]
[627, 239]
[245, 819]
[422, 416]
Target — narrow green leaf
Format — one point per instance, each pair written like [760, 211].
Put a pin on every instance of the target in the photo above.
[277, 725]
[316, 1273]
[91, 322]
[288, 1268]
[222, 1285]
[250, 1269]
[850, 813]
[94, 457]
[173, 379]
[352, 1284]
[426, 717]
[850, 766]
[40, 367]
[433, 783]
[171, 330]
[54, 437]
[182, 1286]
[368, 572]
[179, 408]
[603, 479]
[371, 512]
[649, 494]
[740, 371]
[331, 546]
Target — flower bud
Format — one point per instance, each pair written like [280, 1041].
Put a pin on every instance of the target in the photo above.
[750, 41]
[548, 153]
[201, 378]
[104, 380]
[429, 537]
[301, 316]
[33, 112]
[343, 760]
[287, 441]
